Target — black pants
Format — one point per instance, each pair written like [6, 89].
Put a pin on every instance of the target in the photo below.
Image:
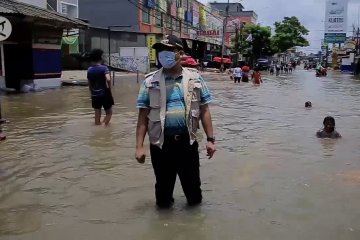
[237, 79]
[105, 101]
[245, 78]
[177, 157]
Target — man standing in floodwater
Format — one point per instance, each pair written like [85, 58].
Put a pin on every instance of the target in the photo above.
[171, 103]
[100, 87]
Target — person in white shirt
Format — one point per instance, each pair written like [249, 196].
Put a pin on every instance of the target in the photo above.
[237, 74]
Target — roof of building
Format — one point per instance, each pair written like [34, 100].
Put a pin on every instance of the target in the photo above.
[14, 8]
[225, 3]
[243, 14]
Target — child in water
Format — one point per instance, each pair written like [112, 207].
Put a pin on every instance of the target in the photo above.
[329, 129]
[308, 104]
[256, 77]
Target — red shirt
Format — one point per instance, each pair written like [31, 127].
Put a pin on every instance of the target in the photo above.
[257, 77]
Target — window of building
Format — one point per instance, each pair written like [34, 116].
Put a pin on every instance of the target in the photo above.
[52, 5]
[238, 8]
[64, 8]
[168, 22]
[159, 20]
[69, 10]
[146, 15]
[186, 28]
[178, 3]
[177, 25]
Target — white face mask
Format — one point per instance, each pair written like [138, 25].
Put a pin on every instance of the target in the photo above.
[167, 59]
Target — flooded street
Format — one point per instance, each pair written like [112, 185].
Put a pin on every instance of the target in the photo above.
[271, 178]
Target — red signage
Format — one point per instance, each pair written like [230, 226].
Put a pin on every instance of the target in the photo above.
[173, 9]
[209, 33]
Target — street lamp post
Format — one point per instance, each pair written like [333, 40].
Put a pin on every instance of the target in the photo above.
[109, 44]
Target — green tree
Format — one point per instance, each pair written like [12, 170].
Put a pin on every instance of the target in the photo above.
[258, 46]
[288, 34]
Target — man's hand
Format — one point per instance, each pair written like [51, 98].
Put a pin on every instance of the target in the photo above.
[210, 148]
[140, 155]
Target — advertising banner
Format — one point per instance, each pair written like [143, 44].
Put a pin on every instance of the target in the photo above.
[202, 16]
[336, 16]
[151, 40]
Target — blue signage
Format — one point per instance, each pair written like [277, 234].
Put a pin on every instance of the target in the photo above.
[335, 37]
[188, 16]
[151, 3]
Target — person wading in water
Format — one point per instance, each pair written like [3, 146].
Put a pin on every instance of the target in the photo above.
[100, 87]
[171, 103]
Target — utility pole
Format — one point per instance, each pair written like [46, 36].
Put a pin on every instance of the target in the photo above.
[237, 43]
[223, 37]
[357, 41]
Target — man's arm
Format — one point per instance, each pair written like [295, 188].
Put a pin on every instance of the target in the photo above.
[142, 127]
[108, 80]
[206, 121]
[208, 128]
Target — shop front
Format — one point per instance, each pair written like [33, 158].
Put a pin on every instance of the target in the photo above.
[31, 54]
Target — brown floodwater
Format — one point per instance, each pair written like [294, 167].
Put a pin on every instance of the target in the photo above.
[63, 178]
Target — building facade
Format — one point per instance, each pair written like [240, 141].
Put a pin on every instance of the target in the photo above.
[237, 17]
[69, 8]
[70, 42]
[147, 21]
[34, 45]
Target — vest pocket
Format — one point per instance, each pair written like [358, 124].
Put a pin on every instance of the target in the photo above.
[154, 94]
[154, 125]
[195, 117]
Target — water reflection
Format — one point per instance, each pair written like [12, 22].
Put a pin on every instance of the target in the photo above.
[21, 213]
[62, 177]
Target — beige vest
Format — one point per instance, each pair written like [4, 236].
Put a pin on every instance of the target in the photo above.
[157, 93]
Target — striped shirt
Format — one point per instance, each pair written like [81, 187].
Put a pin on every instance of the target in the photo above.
[175, 122]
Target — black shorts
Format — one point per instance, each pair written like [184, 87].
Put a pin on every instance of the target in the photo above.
[106, 101]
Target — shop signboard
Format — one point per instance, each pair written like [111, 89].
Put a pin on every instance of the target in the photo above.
[5, 29]
[336, 16]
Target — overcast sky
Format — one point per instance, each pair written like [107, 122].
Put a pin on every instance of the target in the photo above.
[310, 12]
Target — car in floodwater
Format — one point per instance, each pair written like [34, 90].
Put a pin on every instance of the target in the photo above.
[262, 64]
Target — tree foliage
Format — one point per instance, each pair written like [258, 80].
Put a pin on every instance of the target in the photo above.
[288, 34]
[260, 45]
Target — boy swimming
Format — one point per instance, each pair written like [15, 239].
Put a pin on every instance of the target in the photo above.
[308, 104]
[329, 129]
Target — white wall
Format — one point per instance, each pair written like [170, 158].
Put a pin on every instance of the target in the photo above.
[72, 7]
[38, 3]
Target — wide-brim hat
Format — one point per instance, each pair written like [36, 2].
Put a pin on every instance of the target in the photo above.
[171, 41]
